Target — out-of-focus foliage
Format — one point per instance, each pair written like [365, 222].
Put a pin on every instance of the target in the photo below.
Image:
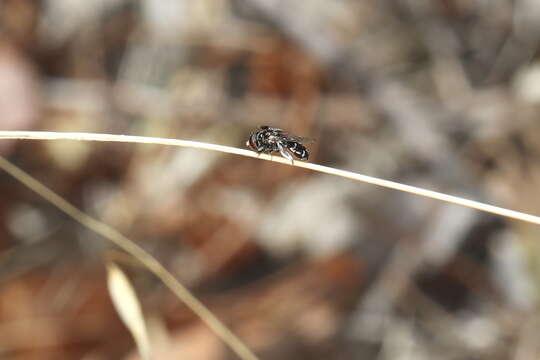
[441, 94]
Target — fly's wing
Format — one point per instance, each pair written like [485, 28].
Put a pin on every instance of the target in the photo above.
[273, 129]
[298, 139]
[285, 136]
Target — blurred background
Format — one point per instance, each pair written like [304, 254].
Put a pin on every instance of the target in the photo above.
[439, 94]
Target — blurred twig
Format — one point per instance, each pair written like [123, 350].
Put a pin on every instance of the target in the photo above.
[136, 251]
[44, 135]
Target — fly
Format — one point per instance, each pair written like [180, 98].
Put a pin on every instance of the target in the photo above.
[270, 140]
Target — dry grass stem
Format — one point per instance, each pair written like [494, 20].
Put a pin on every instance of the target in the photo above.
[38, 135]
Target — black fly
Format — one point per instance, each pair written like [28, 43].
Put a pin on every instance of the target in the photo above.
[270, 140]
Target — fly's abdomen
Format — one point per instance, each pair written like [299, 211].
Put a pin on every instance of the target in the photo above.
[298, 150]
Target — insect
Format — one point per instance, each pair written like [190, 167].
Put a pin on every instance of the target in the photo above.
[269, 140]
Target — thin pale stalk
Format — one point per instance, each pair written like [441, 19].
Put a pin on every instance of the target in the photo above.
[39, 135]
[137, 252]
